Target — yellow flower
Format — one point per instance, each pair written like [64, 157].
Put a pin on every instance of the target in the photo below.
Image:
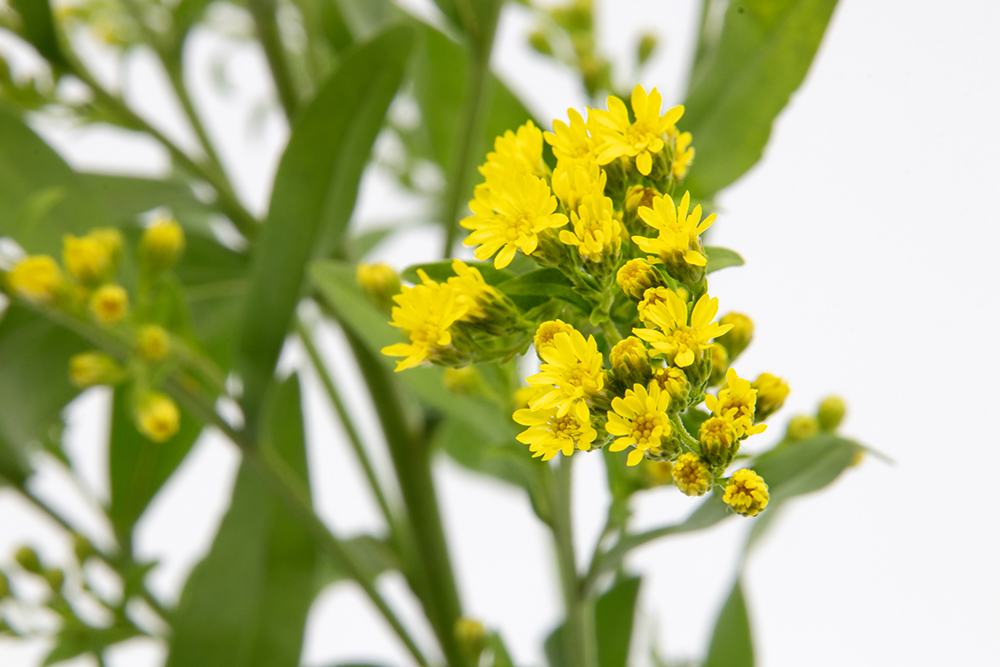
[683, 155]
[571, 143]
[739, 337]
[679, 342]
[719, 438]
[109, 304]
[88, 369]
[651, 296]
[746, 493]
[596, 233]
[720, 364]
[514, 153]
[740, 397]
[691, 475]
[162, 244]
[571, 372]
[472, 290]
[424, 313]
[36, 278]
[379, 282]
[87, 259]
[111, 239]
[547, 332]
[153, 342]
[549, 433]
[572, 182]
[159, 418]
[639, 139]
[673, 381]
[637, 276]
[771, 394]
[639, 420]
[678, 242]
[628, 353]
[508, 217]
[639, 195]
[521, 397]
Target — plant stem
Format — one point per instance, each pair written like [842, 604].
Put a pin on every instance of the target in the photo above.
[611, 333]
[352, 434]
[263, 12]
[580, 646]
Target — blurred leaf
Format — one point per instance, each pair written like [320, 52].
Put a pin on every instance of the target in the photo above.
[139, 466]
[721, 258]
[441, 271]
[75, 639]
[41, 198]
[245, 605]
[357, 247]
[185, 14]
[375, 556]
[763, 55]
[554, 651]
[34, 382]
[366, 18]
[314, 194]
[39, 29]
[501, 657]
[125, 197]
[615, 616]
[542, 285]
[509, 461]
[732, 644]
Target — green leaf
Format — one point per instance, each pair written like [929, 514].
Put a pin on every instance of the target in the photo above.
[39, 29]
[763, 55]
[542, 285]
[357, 247]
[732, 644]
[76, 638]
[185, 14]
[365, 18]
[125, 197]
[41, 198]
[245, 605]
[615, 615]
[501, 657]
[554, 651]
[441, 271]
[314, 194]
[721, 258]
[139, 466]
[375, 557]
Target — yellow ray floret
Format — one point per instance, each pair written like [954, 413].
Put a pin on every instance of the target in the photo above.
[573, 370]
[548, 433]
[639, 139]
[515, 153]
[596, 233]
[678, 239]
[683, 155]
[746, 494]
[639, 420]
[547, 332]
[509, 215]
[36, 278]
[424, 313]
[572, 182]
[571, 143]
[679, 341]
[737, 401]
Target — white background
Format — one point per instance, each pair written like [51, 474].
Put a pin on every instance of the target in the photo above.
[869, 231]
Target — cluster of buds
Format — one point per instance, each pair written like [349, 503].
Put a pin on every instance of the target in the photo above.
[86, 287]
[606, 218]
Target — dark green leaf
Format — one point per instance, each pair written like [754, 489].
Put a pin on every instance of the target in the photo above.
[501, 657]
[721, 258]
[441, 271]
[245, 605]
[763, 55]
[185, 14]
[615, 615]
[41, 198]
[314, 194]
[554, 648]
[543, 284]
[373, 555]
[75, 639]
[732, 644]
[39, 29]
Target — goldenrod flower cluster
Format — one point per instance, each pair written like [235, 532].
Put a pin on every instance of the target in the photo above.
[631, 371]
[85, 288]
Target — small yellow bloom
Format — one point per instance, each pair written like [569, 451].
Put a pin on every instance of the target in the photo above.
[679, 342]
[683, 155]
[153, 342]
[549, 432]
[831, 413]
[573, 370]
[36, 278]
[87, 259]
[472, 290]
[88, 369]
[739, 337]
[379, 282]
[639, 195]
[673, 381]
[639, 139]
[639, 420]
[691, 475]
[514, 153]
[109, 304]
[424, 313]
[771, 394]
[162, 244]
[678, 243]
[719, 437]
[637, 276]
[471, 638]
[548, 330]
[522, 395]
[628, 353]
[571, 143]
[508, 216]
[746, 494]
[740, 397]
[651, 296]
[596, 233]
[571, 183]
[720, 364]
[159, 418]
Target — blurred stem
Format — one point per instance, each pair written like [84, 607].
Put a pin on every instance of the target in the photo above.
[352, 434]
[610, 333]
[480, 35]
[579, 643]
[263, 12]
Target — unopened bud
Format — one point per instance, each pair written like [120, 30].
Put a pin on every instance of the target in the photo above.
[89, 369]
[637, 276]
[630, 364]
[831, 413]
[379, 282]
[548, 330]
[36, 278]
[718, 441]
[27, 558]
[539, 42]
[471, 638]
[647, 45]
[802, 427]
[153, 343]
[158, 418]
[738, 338]
[771, 394]
[161, 245]
[691, 475]
[109, 304]
[720, 364]
[87, 259]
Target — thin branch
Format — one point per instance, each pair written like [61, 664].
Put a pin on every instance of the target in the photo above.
[263, 12]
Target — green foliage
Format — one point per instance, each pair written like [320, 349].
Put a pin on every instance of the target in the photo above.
[721, 258]
[614, 616]
[732, 644]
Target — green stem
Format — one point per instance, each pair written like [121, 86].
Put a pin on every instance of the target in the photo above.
[263, 12]
[611, 333]
[580, 647]
[345, 419]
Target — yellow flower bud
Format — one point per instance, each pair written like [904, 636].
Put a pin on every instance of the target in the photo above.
[831, 413]
[88, 369]
[379, 282]
[153, 343]
[637, 196]
[673, 381]
[802, 427]
[87, 259]
[746, 493]
[630, 363]
[651, 296]
[547, 331]
[27, 558]
[161, 245]
[158, 418]
[691, 475]
[637, 276]
[720, 364]
[646, 47]
[36, 278]
[738, 338]
[109, 304]
[471, 638]
[771, 394]
[718, 439]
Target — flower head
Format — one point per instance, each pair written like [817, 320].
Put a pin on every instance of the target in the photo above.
[548, 433]
[572, 182]
[680, 342]
[88, 259]
[738, 401]
[158, 418]
[678, 244]
[162, 244]
[691, 475]
[36, 278]
[596, 233]
[109, 304]
[640, 420]
[153, 342]
[637, 276]
[831, 412]
[547, 332]
[739, 337]
[379, 282]
[639, 139]
[673, 381]
[472, 290]
[746, 493]
[424, 313]
[771, 394]
[683, 155]
[718, 437]
[88, 369]
[571, 143]
[514, 153]
[573, 370]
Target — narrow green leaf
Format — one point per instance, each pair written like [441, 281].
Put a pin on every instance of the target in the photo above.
[76, 638]
[314, 194]
[554, 652]
[501, 657]
[375, 556]
[542, 285]
[615, 616]
[245, 605]
[125, 197]
[732, 643]
[721, 258]
[185, 14]
[39, 29]
[356, 247]
[763, 55]
[441, 271]
[365, 18]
